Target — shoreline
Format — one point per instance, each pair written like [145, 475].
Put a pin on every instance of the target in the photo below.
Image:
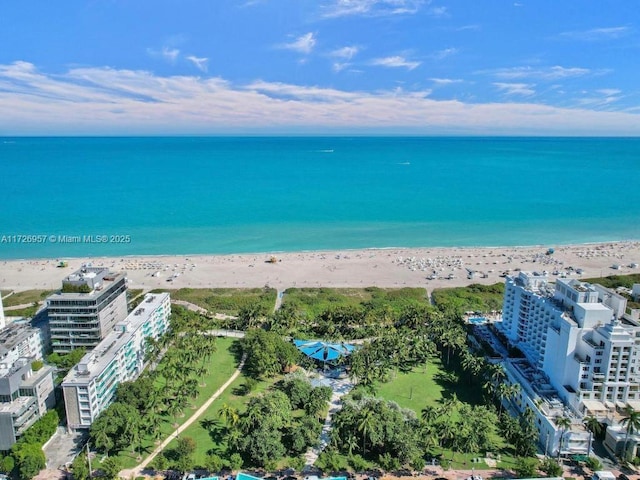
[328, 250]
[389, 267]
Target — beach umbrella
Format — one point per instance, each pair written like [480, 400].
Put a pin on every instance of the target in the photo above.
[323, 351]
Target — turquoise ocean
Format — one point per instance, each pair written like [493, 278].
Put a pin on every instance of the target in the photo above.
[218, 195]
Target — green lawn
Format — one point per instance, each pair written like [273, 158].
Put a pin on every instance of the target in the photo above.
[427, 386]
[22, 312]
[26, 296]
[223, 364]
[421, 387]
[213, 439]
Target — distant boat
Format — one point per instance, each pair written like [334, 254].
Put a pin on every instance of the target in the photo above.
[404, 163]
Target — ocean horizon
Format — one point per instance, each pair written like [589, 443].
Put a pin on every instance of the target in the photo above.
[117, 196]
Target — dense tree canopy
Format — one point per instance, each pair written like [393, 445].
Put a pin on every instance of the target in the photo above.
[267, 353]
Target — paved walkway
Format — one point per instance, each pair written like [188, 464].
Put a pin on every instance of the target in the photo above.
[340, 386]
[137, 470]
[279, 295]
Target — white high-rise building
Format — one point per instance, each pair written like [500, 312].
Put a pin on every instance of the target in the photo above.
[90, 386]
[579, 340]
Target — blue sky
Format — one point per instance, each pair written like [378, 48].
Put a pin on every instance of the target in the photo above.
[543, 67]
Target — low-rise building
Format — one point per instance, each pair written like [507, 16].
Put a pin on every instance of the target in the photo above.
[90, 386]
[25, 395]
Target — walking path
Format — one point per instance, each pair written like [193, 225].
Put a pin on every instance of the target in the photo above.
[137, 470]
[340, 386]
[279, 295]
[21, 306]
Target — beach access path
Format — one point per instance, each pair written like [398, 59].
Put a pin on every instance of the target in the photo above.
[137, 470]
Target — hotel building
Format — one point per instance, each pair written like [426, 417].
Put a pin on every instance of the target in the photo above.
[90, 386]
[91, 302]
[582, 354]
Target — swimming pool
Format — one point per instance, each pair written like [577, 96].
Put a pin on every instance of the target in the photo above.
[478, 320]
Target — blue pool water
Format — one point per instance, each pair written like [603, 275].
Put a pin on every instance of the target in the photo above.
[478, 320]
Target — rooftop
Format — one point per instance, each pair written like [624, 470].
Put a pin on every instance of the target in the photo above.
[537, 386]
[37, 376]
[94, 279]
[17, 406]
[96, 361]
[14, 334]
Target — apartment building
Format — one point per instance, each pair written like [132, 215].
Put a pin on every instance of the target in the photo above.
[91, 302]
[25, 394]
[90, 386]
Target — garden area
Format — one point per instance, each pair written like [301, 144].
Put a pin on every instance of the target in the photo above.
[421, 394]
[153, 406]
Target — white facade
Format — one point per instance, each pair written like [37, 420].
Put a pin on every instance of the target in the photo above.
[90, 386]
[17, 341]
[581, 343]
[537, 394]
[3, 322]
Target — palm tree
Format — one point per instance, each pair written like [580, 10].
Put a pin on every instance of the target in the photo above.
[563, 423]
[632, 422]
[367, 420]
[594, 427]
[229, 415]
[352, 443]
[429, 414]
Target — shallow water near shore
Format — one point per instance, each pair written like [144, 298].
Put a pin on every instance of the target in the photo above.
[188, 195]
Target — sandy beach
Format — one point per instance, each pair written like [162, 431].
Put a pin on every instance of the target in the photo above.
[394, 267]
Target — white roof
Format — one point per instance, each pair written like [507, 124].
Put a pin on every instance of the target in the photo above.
[594, 405]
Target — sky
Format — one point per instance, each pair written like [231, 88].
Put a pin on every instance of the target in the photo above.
[416, 67]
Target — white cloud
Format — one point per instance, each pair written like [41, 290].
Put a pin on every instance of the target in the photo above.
[99, 101]
[544, 73]
[345, 52]
[396, 61]
[516, 88]
[438, 12]
[444, 53]
[167, 53]
[200, 62]
[341, 8]
[609, 91]
[303, 44]
[597, 33]
[170, 54]
[445, 81]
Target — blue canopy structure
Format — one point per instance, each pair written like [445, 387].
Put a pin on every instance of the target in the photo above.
[323, 351]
